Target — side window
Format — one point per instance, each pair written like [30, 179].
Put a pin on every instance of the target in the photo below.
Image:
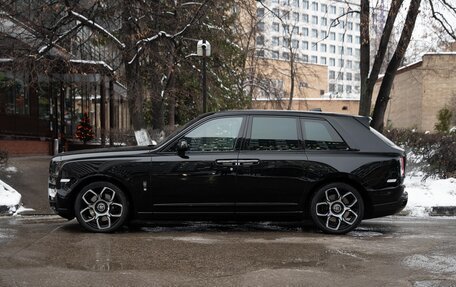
[215, 135]
[273, 133]
[320, 135]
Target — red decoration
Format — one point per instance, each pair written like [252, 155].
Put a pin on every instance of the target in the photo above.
[84, 130]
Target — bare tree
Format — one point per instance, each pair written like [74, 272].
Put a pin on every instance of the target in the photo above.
[369, 74]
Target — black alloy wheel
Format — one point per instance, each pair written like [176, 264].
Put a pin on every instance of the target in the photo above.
[101, 207]
[337, 208]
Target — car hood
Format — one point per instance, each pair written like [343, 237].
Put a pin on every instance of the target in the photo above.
[103, 152]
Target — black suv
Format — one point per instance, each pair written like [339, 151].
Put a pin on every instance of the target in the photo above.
[238, 165]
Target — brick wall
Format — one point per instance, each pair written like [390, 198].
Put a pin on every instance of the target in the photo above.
[25, 147]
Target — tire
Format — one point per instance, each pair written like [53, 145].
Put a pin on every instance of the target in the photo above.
[101, 207]
[337, 208]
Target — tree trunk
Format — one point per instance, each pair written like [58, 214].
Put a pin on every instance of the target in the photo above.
[133, 79]
[365, 97]
[292, 78]
[387, 83]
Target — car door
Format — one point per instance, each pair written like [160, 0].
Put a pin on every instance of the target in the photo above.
[201, 181]
[270, 172]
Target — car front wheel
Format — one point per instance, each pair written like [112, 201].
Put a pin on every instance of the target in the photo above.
[101, 207]
[337, 208]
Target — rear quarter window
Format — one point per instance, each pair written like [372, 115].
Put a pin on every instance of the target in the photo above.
[320, 135]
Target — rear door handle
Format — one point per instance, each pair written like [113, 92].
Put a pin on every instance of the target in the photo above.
[247, 162]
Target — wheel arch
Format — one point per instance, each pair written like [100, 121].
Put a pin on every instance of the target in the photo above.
[343, 178]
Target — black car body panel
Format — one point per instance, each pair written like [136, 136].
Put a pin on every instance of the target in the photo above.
[252, 180]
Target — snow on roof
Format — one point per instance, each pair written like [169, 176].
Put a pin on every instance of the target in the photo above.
[419, 62]
[92, 62]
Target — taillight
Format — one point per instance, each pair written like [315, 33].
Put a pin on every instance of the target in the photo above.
[402, 164]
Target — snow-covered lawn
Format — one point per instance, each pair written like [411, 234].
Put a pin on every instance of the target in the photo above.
[423, 195]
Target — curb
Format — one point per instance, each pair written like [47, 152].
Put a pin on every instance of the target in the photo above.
[443, 211]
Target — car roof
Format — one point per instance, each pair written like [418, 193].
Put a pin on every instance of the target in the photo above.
[364, 120]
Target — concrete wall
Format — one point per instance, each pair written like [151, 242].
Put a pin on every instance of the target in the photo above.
[420, 91]
[342, 106]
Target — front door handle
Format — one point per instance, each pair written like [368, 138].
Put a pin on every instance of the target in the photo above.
[247, 162]
[226, 162]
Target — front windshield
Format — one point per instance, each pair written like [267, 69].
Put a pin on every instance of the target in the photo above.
[178, 129]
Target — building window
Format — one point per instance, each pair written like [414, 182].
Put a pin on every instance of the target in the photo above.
[340, 89]
[340, 76]
[357, 52]
[275, 54]
[305, 18]
[260, 40]
[357, 77]
[349, 51]
[314, 33]
[314, 46]
[341, 50]
[286, 56]
[296, 3]
[305, 45]
[332, 75]
[286, 29]
[305, 4]
[332, 88]
[305, 31]
[348, 88]
[286, 42]
[324, 21]
[275, 27]
[323, 48]
[295, 44]
[275, 41]
[349, 76]
[350, 25]
[314, 6]
[315, 20]
[14, 96]
[349, 38]
[295, 30]
[260, 12]
[332, 62]
[260, 53]
[324, 8]
[323, 34]
[285, 15]
[332, 49]
[341, 63]
[332, 9]
[332, 36]
[313, 59]
[260, 26]
[341, 37]
[323, 60]
[295, 16]
[349, 64]
[358, 40]
[305, 58]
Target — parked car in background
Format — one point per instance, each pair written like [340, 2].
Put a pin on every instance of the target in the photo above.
[238, 165]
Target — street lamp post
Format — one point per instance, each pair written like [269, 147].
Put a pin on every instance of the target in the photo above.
[203, 50]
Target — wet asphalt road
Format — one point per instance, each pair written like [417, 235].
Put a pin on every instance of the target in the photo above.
[394, 251]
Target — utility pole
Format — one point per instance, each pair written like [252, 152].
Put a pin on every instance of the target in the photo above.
[204, 50]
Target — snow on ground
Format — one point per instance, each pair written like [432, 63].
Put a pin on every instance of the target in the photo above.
[423, 195]
[9, 197]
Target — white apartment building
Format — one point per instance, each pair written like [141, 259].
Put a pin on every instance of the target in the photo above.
[325, 32]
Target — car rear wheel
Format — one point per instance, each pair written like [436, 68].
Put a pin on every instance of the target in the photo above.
[101, 207]
[337, 208]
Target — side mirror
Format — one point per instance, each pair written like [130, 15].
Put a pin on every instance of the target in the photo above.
[182, 147]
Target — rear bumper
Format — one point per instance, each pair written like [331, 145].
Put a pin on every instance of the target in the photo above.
[397, 201]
